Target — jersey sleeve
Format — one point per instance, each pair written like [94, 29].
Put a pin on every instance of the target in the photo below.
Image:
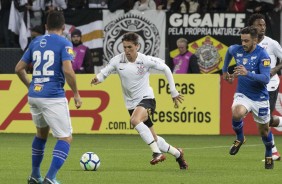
[277, 49]
[105, 72]
[159, 64]
[67, 51]
[156, 63]
[27, 56]
[264, 69]
[228, 57]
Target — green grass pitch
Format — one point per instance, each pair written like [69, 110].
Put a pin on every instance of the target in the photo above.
[125, 160]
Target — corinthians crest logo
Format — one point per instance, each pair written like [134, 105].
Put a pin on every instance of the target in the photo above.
[208, 54]
[149, 37]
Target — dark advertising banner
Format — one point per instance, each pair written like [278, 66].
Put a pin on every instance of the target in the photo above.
[209, 35]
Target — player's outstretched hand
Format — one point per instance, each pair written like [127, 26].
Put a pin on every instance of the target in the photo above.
[177, 100]
[95, 81]
[77, 101]
[228, 77]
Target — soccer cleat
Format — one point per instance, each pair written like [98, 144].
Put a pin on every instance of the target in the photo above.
[157, 157]
[236, 146]
[268, 164]
[32, 180]
[181, 161]
[276, 156]
[49, 181]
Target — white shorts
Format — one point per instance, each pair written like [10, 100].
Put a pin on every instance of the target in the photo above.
[259, 109]
[52, 112]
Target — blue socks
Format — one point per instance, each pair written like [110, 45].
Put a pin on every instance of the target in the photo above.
[268, 144]
[38, 146]
[238, 128]
[60, 154]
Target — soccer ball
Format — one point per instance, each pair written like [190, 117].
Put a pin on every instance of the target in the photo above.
[89, 161]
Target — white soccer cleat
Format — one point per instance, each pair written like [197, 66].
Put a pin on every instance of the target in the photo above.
[276, 156]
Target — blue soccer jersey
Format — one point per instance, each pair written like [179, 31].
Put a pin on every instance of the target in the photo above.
[257, 63]
[46, 53]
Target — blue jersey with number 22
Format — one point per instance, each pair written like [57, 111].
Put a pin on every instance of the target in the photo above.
[47, 53]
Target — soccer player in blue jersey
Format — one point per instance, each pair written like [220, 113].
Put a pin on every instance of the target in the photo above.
[274, 50]
[253, 72]
[51, 56]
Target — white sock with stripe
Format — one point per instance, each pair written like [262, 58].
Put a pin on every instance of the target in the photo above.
[147, 136]
[165, 147]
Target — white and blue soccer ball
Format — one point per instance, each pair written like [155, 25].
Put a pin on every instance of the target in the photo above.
[90, 161]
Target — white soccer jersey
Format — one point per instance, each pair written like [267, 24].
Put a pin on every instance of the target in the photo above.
[274, 50]
[135, 77]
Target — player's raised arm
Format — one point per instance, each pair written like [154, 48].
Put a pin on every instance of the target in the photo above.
[159, 64]
[105, 72]
[228, 57]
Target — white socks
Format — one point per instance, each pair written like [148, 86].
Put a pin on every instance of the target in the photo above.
[156, 147]
[147, 136]
[165, 147]
[274, 149]
[162, 144]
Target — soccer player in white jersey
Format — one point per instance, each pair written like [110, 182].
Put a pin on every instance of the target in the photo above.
[51, 56]
[133, 69]
[253, 72]
[274, 51]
